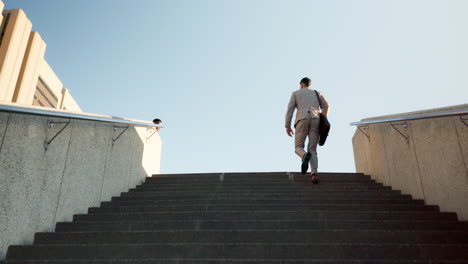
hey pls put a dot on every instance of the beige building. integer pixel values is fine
(25, 76)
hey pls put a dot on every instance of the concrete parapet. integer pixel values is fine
(427, 158)
(80, 168)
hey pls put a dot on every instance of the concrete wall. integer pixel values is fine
(431, 165)
(12, 51)
(80, 168)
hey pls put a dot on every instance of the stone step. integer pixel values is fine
(249, 174)
(259, 181)
(253, 178)
(282, 189)
(306, 181)
(321, 197)
(259, 193)
(259, 185)
(289, 251)
(297, 224)
(263, 202)
(264, 236)
(268, 215)
(254, 218)
(242, 261)
(242, 176)
(255, 207)
(299, 184)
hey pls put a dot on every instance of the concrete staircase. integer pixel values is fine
(254, 218)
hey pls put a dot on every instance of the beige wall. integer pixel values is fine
(35, 66)
(431, 165)
(1, 10)
(51, 79)
(80, 169)
(30, 69)
(12, 52)
(22, 63)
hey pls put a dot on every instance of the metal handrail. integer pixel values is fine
(457, 112)
(70, 115)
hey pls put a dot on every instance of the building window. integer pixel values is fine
(44, 95)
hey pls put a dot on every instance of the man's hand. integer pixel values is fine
(289, 131)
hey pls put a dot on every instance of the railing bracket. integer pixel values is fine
(123, 131)
(404, 125)
(362, 128)
(50, 124)
(151, 134)
(464, 120)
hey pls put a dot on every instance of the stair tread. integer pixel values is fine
(177, 260)
(245, 250)
(250, 236)
(243, 261)
(254, 218)
(376, 244)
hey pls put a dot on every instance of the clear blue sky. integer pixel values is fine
(220, 73)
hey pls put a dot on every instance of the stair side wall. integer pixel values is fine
(432, 165)
(80, 168)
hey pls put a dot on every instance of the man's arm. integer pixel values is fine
(289, 114)
(325, 105)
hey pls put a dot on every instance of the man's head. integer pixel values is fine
(305, 82)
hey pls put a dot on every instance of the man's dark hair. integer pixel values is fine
(157, 120)
(306, 81)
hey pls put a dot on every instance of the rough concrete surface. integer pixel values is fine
(119, 162)
(462, 134)
(401, 161)
(431, 166)
(377, 159)
(22, 159)
(360, 144)
(87, 146)
(79, 169)
(3, 126)
(441, 165)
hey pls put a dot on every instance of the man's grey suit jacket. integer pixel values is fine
(307, 105)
